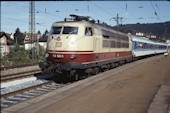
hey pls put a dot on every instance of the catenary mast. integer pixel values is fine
(32, 28)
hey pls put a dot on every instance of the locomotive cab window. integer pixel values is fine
(88, 31)
(70, 30)
(56, 30)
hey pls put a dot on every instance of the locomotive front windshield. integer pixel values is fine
(66, 30)
(70, 30)
(56, 30)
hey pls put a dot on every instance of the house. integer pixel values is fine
(5, 40)
(29, 38)
(43, 41)
(30, 42)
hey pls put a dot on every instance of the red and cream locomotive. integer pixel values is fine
(83, 45)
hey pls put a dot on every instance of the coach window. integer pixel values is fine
(139, 45)
(88, 31)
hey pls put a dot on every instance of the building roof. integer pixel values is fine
(34, 37)
(8, 36)
(43, 38)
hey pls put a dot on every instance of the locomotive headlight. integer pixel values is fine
(47, 55)
(72, 56)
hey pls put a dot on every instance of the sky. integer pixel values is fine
(16, 13)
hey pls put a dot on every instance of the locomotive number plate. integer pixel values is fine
(54, 55)
(58, 56)
(58, 44)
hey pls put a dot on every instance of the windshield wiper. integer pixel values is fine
(70, 33)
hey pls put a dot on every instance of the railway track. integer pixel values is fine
(15, 97)
(23, 90)
(18, 66)
(11, 95)
(11, 77)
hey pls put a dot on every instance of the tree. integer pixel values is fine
(19, 37)
(46, 32)
(39, 32)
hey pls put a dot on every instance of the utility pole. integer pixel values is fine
(118, 20)
(0, 18)
(32, 27)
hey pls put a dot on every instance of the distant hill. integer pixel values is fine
(158, 29)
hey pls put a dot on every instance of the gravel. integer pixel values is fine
(21, 85)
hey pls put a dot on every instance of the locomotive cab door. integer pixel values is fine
(96, 44)
(96, 41)
(96, 38)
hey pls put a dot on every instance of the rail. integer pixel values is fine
(23, 90)
(19, 75)
(18, 66)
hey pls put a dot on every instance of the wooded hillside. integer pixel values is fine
(158, 29)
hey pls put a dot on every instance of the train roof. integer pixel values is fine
(161, 43)
(88, 23)
(76, 19)
(146, 40)
(142, 39)
(71, 22)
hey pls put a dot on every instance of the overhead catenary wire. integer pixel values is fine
(155, 11)
(101, 8)
(41, 11)
(117, 5)
(50, 14)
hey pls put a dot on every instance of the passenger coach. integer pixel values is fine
(142, 46)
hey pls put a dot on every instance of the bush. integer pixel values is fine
(18, 56)
(38, 56)
(42, 52)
